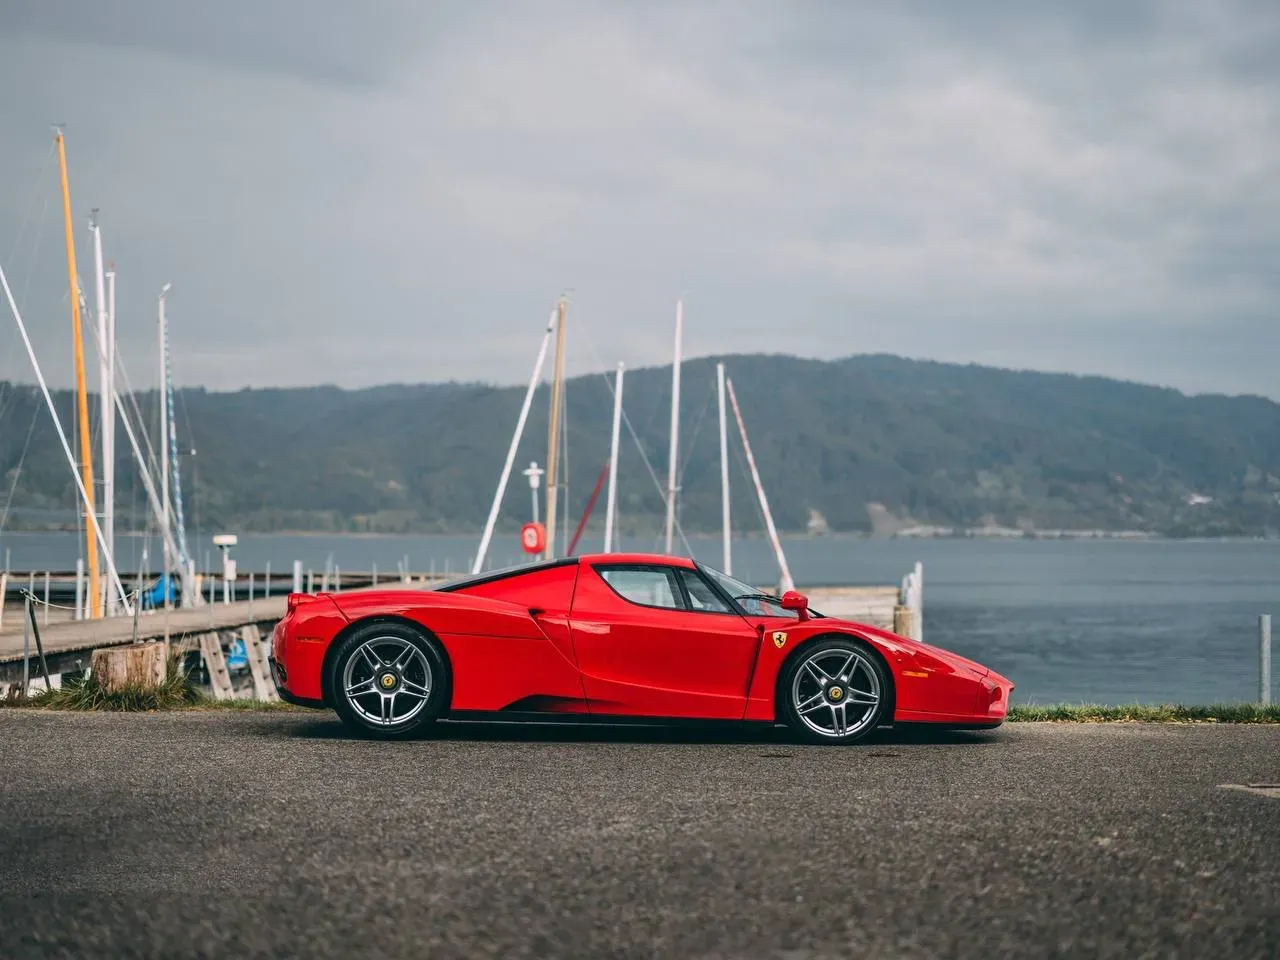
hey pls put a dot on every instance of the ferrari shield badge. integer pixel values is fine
(779, 638)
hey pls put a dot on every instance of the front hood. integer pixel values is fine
(951, 659)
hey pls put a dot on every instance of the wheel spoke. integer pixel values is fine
(371, 655)
(416, 689)
(862, 696)
(812, 704)
(405, 656)
(839, 723)
(816, 671)
(844, 671)
(361, 688)
(388, 702)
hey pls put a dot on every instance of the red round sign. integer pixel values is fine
(533, 537)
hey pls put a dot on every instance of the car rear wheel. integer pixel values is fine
(835, 691)
(388, 680)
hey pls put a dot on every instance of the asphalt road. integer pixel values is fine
(275, 835)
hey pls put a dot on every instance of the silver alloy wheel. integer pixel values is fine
(385, 673)
(836, 692)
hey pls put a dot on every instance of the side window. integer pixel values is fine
(647, 587)
(701, 596)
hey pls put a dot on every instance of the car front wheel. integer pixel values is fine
(835, 691)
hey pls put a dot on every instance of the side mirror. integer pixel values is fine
(794, 600)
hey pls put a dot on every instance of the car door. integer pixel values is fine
(657, 641)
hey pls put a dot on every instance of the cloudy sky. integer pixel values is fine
(398, 191)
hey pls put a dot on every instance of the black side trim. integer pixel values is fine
(504, 574)
(595, 719)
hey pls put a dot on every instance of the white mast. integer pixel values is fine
(787, 582)
(675, 427)
(478, 564)
(109, 436)
(164, 458)
(724, 474)
(62, 436)
(105, 407)
(612, 499)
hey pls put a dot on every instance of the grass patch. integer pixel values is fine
(1140, 713)
(177, 692)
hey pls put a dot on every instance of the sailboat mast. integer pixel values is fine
(553, 431)
(82, 399)
(724, 475)
(164, 437)
(675, 426)
(478, 563)
(787, 582)
(611, 501)
(106, 410)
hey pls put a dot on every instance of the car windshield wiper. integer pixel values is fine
(767, 598)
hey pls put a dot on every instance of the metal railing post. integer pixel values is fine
(1264, 659)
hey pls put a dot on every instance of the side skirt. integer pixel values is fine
(596, 719)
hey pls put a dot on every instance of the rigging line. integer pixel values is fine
(39, 190)
(4, 517)
(741, 460)
(696, 428)
(195, 475)
(35, 250)
(662, 493)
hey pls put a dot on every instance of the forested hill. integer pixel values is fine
(868, 442)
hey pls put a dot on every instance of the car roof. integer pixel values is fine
(489, 576)
(660, 559)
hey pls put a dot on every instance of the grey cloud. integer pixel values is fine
(399, 195)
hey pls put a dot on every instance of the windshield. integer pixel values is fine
(754, 602)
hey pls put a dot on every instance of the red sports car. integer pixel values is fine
(610, 637)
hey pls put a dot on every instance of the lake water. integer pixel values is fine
(1067, 621)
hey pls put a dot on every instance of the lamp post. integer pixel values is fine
(534, 473)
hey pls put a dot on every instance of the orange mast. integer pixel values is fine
(82, 400)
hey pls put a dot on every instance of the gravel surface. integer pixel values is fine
(213, 834)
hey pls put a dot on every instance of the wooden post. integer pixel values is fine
(904, 622)
(4, 592)
(134, 665)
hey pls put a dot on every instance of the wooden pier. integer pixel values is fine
(211, 627)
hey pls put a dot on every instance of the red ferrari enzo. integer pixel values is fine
(612, 637)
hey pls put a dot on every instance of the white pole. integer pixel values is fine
(724, 474)
(787, 582)
(675, 426)
(62, 436)
(109, 439)
(611, 502)
(164, 455)
(1264, 660)
(105, 409)
(511, 451)
(147, 483)
(80, 605)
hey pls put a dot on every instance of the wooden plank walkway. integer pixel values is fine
(72, 635)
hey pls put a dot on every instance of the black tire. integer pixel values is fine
(811, 707)
(391, 703)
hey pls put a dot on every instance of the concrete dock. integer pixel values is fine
(217, 834)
